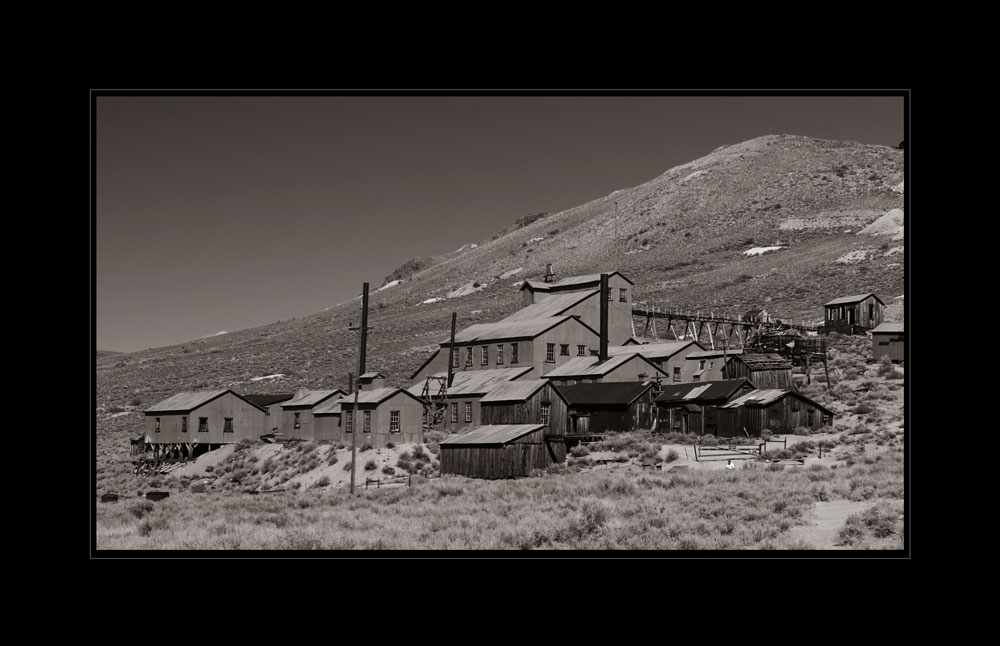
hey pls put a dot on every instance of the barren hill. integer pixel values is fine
(798, 204)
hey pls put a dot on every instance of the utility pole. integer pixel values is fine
(361, 370)
(616, 235)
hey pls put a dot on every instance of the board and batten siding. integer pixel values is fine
(514, 459)
(248, 423)
(778, 417)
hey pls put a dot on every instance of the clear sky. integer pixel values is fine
(223, 213)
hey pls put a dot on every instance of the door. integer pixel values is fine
(582, 424)
(850, 316)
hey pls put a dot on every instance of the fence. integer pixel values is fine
(727, 452)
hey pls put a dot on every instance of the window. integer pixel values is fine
(581, 350)
(550, 352)
(368, 421)
(454, 359)
(499, 354)
(184, 425)
(454, 412)
(423, 418)
(203, 425)
(394, 420)
(513, 353)
(622, 295)
(701, 365)
(296, 420)
(809, 416)
(696, 378)
(609, 293)
(468, 411)
(228, 427)
(711, 364)
(486, 356)
(545, 414)
(157, 424)
(349, 426)
(564, 349)
(468, 357)
(677, 374)
(267, 410)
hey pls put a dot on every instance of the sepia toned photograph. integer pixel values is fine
(349, 324)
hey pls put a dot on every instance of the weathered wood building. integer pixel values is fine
(531, 401)
(707, 365)
(852, 314)
(190, 423)
(384, 415)
(694, 407)
(465, 393)
(756, 315)
(776, 410)
(598, 408)
(668, 356)
(272, 409)
(619, 368)
(764, 370)
(327, 420)
(498, 451)
(889, 339)
(577, 296)
(297, 413)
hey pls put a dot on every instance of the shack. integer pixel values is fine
(852, 314)
(668, 356)
(889, 339)
(464, 394)
(191, 423)
(707, 365)
(693, 407)
(598, 408)
(764, 370)
(327, 419)
(297, 413)
(497, 451)
(384, 415)
(775, 410)
(272, 409)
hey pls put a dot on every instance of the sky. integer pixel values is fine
(224, 213)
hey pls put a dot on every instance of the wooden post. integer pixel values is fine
(827, 370)
(361, 371)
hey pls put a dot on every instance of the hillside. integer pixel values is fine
(683, 236)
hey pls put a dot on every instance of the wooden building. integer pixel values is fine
(889, 339)
(498, 451)
(297, 413)
(577, 296)
(618, 368)
(707, 365)
(465, 393)
(598, 408)
(764, 370)
(774, 409)
(694, 407)
(756, 315)
(668, 356)
(529, 401)
(272, 409)
(371, 381)
(539, 343)
(853, 314)
(384, 415)
(190, 423)
(327, 420)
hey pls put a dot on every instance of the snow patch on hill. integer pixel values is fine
(277, 376)
(465, 290)
(512, 272)
(892, 223)
(219, 333)
(388, 285)
(534, 240)
(430, 300)
(759, 251)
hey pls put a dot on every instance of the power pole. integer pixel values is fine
(361, 370)
(616, 235)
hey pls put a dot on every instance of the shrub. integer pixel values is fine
(370, 465)
(672, 455)
(348, 466)
(198, 487)
(210, 468)
(296, 485)
(140, 509)
(116, 409)
(390, 445)
(136, 401)
(579, 451)
(389, 471)
(366, 447)
(331, 457)
(322, 482)
(863, 409)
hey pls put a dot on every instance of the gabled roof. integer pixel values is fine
(188, 401)
(551, 306)
(372, 375)
(896, 328)
(372, 398)
(505, 330)
(312, 397)
(847, 300)
(267, 400)
(712, 354)
(514, 391)
(593, 367)
(619, 393)
(701, 391)
(570, 282)
(467, 383)
(491, 434)
(658, 350)
(330, 406)
(768, 396)
(769, 361)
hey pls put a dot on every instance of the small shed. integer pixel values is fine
(773, 409)
(851, 314)
(297, 413)
(764, 370)
(599, 408)
(889, 339)
(531, 401)
(384, 415)
(497, 451)
(327, 419)
(193, 422)
(272, 409)
(756, 315)
(693, 407)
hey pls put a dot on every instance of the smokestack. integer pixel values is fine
(451, 350)
(350, 382)
(549, 275)
(603, 354)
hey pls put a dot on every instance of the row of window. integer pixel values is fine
(484, 354)
(622, 294)
(367, 427)
(550, 351)
(468, 413)
(202, 425)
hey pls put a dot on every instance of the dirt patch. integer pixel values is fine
(890, 224)
(823, 523)
(212, 458)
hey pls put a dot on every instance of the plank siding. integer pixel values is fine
(640, 414)
(891, 344)
(777, 417)
(248, 423)
(514, 459)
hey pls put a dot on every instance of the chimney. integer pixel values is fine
(603, 354)
(549, 276)
(350, 382)
(371, 381)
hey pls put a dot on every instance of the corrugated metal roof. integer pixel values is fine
(491, 434)
(701, 391)
(550, 306)
(521, 329)
(712, 354)
(889, 327)
(659, 350)
(593, 367)
(571, 281)
(371, 375)
(312, 397)
(771, 395)
(374, 396)
(330, 406)
(185, 401)
(603, 394)
(769, 361)
(472, 382)
(267, 400)
(514, 391)
(845, 300)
